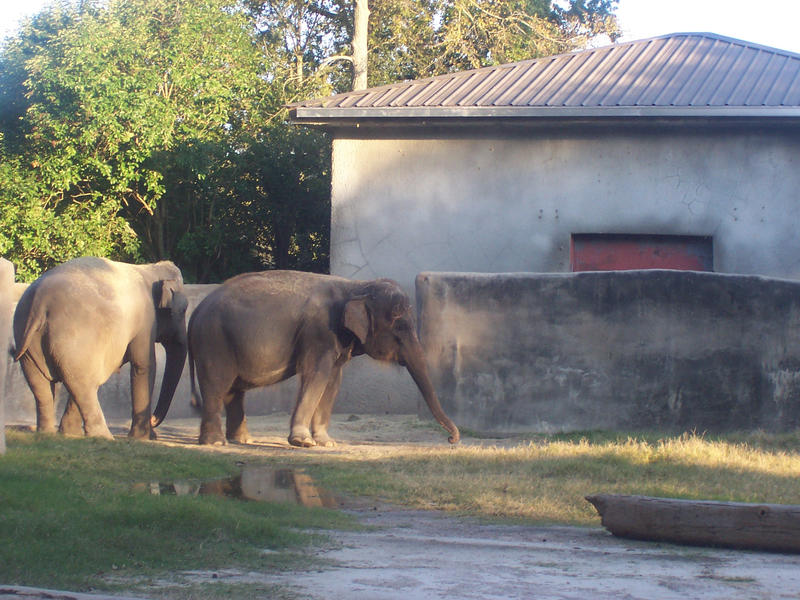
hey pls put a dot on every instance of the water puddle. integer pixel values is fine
(263, 484)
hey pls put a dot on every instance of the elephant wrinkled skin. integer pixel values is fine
(82, 320)
(261, 328)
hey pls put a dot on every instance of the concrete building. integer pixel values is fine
(685, 144)
(679, 152)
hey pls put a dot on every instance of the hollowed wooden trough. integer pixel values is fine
(772, 527)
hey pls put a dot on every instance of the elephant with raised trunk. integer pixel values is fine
(82, 320)
(257, 329)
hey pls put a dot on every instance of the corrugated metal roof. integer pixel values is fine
(681, 73)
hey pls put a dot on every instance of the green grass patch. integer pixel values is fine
(70, 516)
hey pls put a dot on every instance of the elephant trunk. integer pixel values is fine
(176, 358)
(414, 359)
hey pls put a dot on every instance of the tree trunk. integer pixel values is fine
(774, 527)
(360, 29)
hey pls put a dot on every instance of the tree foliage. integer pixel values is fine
(150, 129)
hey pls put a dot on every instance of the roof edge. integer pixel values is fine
(322, 116)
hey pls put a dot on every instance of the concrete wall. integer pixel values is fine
(499, 200)
(616, 350)
(6, 301)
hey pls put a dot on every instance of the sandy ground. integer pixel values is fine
(423, 555)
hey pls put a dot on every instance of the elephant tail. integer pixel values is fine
(196, 401)
(36, 321)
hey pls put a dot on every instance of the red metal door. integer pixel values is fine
(618, 252)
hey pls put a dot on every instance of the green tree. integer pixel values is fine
(409, 39)
(128, 92)
(149, 129)
(41, 225)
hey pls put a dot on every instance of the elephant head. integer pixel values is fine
(381, 318)
(170, 305)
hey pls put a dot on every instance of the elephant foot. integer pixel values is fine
(211, 433)
(212, 440)
(71, 434)
(142, 433)
(239, 436)
(302, 441)
(71, 431)
(241, 439)
(324, 440)
(300, 435)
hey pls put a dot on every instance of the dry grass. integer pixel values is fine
(547, 479)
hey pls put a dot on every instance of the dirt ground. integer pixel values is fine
(423, 555)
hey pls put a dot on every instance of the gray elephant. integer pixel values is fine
(261, 328)
(82, 320)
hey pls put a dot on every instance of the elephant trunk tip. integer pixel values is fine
(155, 421)
(452, 429)
(455, 436)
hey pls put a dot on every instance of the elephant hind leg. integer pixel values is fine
(211, 422)
(71, 420)
(215, 389)
(235, 419)
(43, 392)
(94, 422)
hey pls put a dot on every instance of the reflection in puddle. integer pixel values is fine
(255, 483)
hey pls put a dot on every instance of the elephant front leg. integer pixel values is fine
(142, 365)
(211, 427)
(314, 382)
(322, 416)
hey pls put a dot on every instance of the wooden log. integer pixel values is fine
(772, 527)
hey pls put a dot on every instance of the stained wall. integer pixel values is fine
(623, 350)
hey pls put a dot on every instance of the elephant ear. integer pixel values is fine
(167, 292)
(356, 318)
